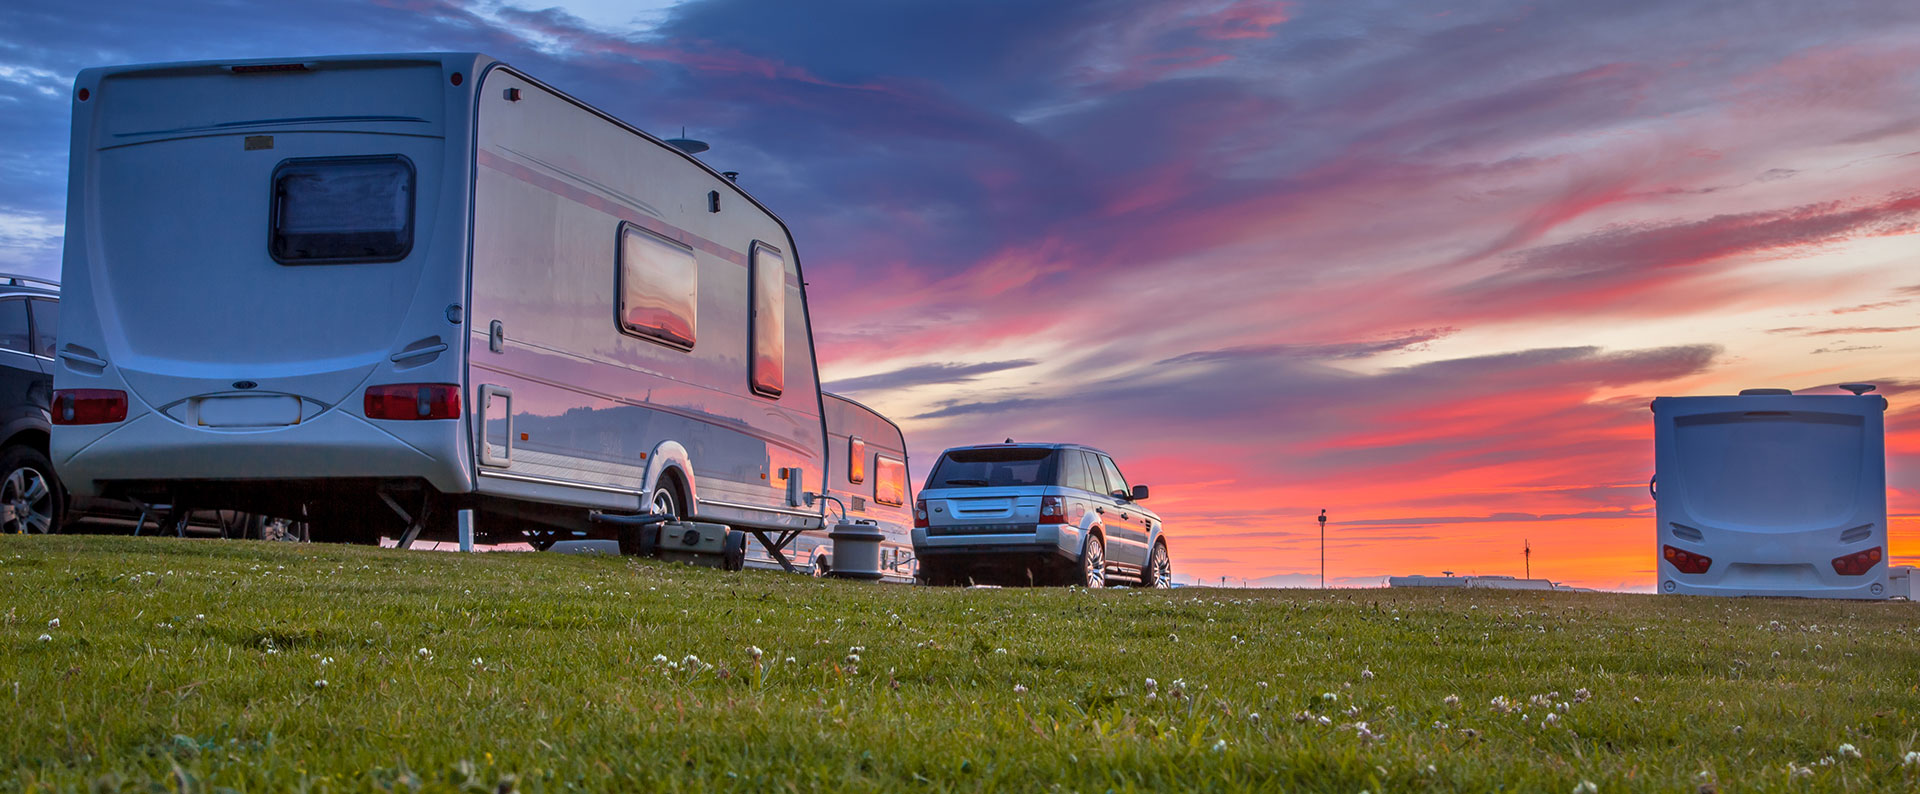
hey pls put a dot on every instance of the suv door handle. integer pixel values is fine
(1100, 510)
(1124, 516)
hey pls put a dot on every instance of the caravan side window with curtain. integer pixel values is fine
(856, 460)
(659, 287)
(889, 480)
(767, 280)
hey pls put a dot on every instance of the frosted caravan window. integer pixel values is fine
(856, 460)
(889, 481)
(769, 286)
(659, 287)
(344, 209)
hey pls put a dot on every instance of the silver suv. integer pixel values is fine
(1039, 514)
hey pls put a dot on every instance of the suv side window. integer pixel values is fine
(46, 326)
(1073, 472)
(1115, 482)
(1096, 480)
(14, 331)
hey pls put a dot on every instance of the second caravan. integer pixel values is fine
(421, 295)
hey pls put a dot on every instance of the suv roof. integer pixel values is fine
(15, 284)
(1032, 445)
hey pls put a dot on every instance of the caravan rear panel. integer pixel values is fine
(1771, 494)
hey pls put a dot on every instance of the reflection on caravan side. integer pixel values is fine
(604, 352)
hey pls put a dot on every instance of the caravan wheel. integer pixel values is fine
(665, 500)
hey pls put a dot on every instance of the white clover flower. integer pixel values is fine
(853, 658)
(1220, 746)
(1255, 716)
(1581, 695)
(1451, 700)
(424, 653)
(1152, 685)
(691, 662)
(857, 649)
(791, 660)
(1848, 751)
(1324, 720)
(320, 683)
(1550, 720)
(1261, 684)
(200, 617)
(46, 638)
(1019, 689)
(660, 658)
(479, 662)
(54, 623)
(754, 652)
(1912, 759)
(326, 660)
(999, 650)
(1586, 787)
(1329, 696)
(1366, 675)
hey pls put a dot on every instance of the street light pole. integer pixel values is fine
(1323, 548)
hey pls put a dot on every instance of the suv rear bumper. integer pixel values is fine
(1044, 539)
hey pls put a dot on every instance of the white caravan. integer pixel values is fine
(383, 292)
(1771, 493)
(867, 476)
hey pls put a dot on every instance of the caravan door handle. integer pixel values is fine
(1100, 510)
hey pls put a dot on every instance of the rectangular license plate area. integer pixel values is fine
(265, 410)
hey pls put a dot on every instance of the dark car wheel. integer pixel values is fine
(31, 498)
(1160, 569)
(1093, 563)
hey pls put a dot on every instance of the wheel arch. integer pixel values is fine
(670, 459)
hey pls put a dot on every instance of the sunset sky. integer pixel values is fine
(1420, 264)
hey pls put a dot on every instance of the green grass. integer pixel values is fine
(193, 665)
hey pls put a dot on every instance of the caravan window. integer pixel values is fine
(768, 283)
(659, 287)
(889, 481)
(856, 460)
(342, 209)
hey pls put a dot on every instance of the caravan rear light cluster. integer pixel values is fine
(919, 512)
(1857, 563)
(89, 406)
(413, 401)
(1686, 561)
(1053, 510)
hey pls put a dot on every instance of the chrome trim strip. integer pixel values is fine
(764, 509)
(504, 475)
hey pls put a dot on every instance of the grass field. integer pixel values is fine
(211, 665)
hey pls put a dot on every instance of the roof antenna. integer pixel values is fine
(686, 144)
(1858, 388)
(1009, 441)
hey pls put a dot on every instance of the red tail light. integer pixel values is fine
(1686, 561)
(1053, 510)
(919, 512)
(413, 401)
(1857, 563)
(89, 406)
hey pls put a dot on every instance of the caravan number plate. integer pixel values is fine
(265, 410)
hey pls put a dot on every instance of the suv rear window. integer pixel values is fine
(342, 209)
(994, 468)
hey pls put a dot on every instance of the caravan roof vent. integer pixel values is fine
(1763, 392)
(1858, 388)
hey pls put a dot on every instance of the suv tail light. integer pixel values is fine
(413, 401)
(919, 512)
(1053, 510)
(1689, 562)
(89, 406)
(1857, 563)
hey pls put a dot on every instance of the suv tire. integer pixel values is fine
(1159, 573)
(1093, 563)
(27, 482)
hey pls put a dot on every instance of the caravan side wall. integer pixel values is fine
(238, 363)
(867, 472)
(614, 328)
(1771, 489)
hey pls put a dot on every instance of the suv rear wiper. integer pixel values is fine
(965, 482)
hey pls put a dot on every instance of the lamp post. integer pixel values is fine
(1323, 548)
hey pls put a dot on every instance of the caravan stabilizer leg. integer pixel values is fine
(415, 523)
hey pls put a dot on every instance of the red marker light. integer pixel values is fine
(1857, 563)
(410, 401)
(1686, 561)
(89, 406)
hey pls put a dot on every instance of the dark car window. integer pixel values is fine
(46, 326)
(14, 333)
(994, 467)
(1073, 472)
(1115, 482)
(1096, 479)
